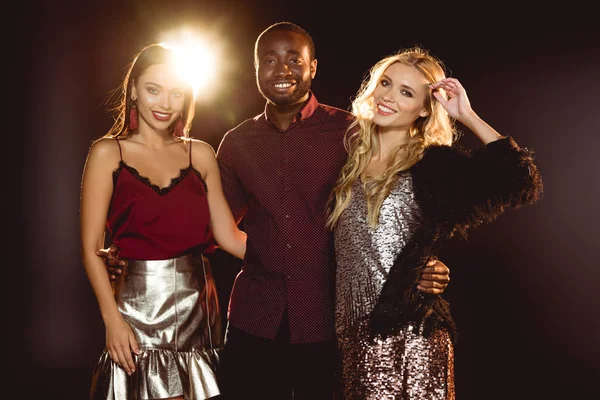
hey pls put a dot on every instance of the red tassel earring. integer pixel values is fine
(178, 129)
(133, 116)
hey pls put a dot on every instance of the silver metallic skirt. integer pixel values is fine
(173, 310)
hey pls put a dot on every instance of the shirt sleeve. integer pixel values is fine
(232, 187)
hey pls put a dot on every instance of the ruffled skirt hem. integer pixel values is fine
(159, 374)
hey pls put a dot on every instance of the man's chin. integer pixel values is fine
(280, 100)
(284, 100)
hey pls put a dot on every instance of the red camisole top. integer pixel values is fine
(151, 223)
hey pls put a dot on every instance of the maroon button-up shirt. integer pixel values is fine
(279, 182)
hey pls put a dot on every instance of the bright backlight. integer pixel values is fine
(194, 62)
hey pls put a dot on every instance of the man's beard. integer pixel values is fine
(301, 89)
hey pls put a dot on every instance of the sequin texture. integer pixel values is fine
(406, 365)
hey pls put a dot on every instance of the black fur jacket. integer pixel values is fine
(457, 190)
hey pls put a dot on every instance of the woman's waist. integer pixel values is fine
(148, 250)
(184, 263)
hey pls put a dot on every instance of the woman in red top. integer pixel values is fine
(159, 195)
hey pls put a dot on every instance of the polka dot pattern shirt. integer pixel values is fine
(279, 183)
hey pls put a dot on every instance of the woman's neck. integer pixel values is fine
(388, 141)
(153, 138)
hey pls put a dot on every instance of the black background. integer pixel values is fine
(523, 289)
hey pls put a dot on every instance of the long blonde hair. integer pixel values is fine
(361, 143)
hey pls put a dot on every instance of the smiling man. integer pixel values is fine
(278, 170)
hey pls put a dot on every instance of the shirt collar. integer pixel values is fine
(306, 112)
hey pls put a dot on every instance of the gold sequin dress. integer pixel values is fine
(405, 365)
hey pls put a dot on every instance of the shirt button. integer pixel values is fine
(287, 216)
(289, 246)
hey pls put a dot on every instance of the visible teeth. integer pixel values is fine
(161, 114)
(283, 85)
(385, 109)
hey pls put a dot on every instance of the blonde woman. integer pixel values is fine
(404, 189)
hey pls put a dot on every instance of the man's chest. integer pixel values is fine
(276, 166)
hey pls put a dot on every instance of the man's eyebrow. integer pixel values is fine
(273, 52)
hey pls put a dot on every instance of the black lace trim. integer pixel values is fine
(160, 191)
